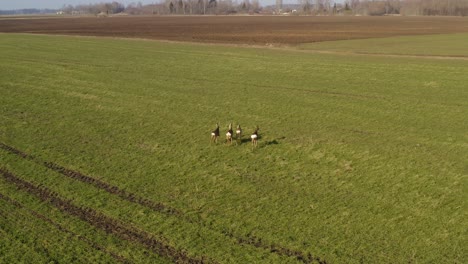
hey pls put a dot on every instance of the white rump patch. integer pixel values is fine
(213, 134)
(228, 134)
(253, 136)
(238, 131)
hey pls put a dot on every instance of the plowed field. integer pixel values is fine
(257, 30)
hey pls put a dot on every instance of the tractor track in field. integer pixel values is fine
(106, 223)
(15, 151)
(131, 197)
(167, 210)
(280, 250)
(61, 228)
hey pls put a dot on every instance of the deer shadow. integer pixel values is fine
(275, 141)
(246, 139)
(243, 140)
(271, 142)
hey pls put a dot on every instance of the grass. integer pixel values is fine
(452, 45)
(361, 159)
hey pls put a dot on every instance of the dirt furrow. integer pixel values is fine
(257, 242)
(15, 151)
(108, 224)
(159, 207)
(65, 230)
(131, 197)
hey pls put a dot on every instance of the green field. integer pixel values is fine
(105, 154)
(451, 45)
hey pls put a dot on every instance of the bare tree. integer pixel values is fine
(354, 4)
(255, 5)
(306, 6)
(435, 8)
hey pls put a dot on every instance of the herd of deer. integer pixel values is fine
(230, 133)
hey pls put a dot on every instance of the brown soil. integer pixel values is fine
(253, 30)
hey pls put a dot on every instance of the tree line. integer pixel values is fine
(304, 7)
(168, 7)
(385, 7)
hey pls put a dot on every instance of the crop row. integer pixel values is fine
(162, 208)
(108, 224)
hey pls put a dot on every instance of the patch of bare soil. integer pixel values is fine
(252, 30)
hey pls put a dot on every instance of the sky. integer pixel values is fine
(57, 4)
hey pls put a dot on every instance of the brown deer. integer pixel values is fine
(238, 132)
(254, 137)
(229, 134)
(238, 135)
(215, 134)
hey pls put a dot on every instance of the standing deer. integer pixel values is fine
(215, 134)
(254, 137)
(238, 135)
(229, 134)
(238, 132)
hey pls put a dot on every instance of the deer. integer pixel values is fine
(229, 134)
(215, 134)
(254, 137)
(238, 132)
(238, 135)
